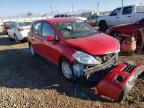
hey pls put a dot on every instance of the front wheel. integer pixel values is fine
(102, 25)
(67, 70)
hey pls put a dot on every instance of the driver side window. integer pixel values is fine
(116, 12)
(47, 30)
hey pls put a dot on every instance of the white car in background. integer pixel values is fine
(18, 30)
(122, 15)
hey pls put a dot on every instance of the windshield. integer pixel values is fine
(22, 24)
(139, 8)
(75, 29)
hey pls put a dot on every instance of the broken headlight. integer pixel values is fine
(85, 58)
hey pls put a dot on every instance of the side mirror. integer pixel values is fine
(50, 38)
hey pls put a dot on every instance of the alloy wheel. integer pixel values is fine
(67, 72)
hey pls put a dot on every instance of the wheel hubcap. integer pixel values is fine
(66, 70)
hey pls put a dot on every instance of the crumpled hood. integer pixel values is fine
(99, 44)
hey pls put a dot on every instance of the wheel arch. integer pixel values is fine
(64, 57)
(114, 32)
(102, 21)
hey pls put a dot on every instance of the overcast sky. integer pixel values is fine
(13, 7)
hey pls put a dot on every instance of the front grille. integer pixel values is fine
(106, 62)
(129, 68)
(104, 58)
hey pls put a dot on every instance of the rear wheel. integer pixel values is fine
(10, 38)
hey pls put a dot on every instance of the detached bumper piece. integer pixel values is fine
(118, 83)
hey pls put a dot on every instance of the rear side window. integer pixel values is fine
(36, 28)
(140, 8)
(127, 10)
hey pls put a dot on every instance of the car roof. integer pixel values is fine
(56, 20)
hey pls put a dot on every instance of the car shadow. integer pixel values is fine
(19, 69)
(5, 40)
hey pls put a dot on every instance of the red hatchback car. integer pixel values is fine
(77, 48)
(127, 29)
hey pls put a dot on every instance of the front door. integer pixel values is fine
(114, 17)
(49, 48)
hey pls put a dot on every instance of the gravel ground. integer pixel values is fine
(28, 82)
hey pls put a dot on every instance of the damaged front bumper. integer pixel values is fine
(118, 83)
(86, 71)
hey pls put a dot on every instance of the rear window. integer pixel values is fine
(139, 8)
(22, 24)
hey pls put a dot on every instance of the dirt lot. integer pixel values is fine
(28, 82)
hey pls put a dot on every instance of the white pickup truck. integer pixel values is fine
(121, 15)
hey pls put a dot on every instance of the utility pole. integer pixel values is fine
(72, 9)
(122, 3)
(98, 7)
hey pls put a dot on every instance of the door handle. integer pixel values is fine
(128, 16)
(117, 17)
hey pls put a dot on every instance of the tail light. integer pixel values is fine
(20, 29)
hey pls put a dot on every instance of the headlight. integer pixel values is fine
(84, 58)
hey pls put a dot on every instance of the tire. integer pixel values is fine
(11, 39)
(102, 25)
(67, 70)
(16, 39)
(116, 35)
(33, 53)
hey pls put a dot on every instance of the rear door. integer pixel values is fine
(126, 16)
(36, 36)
